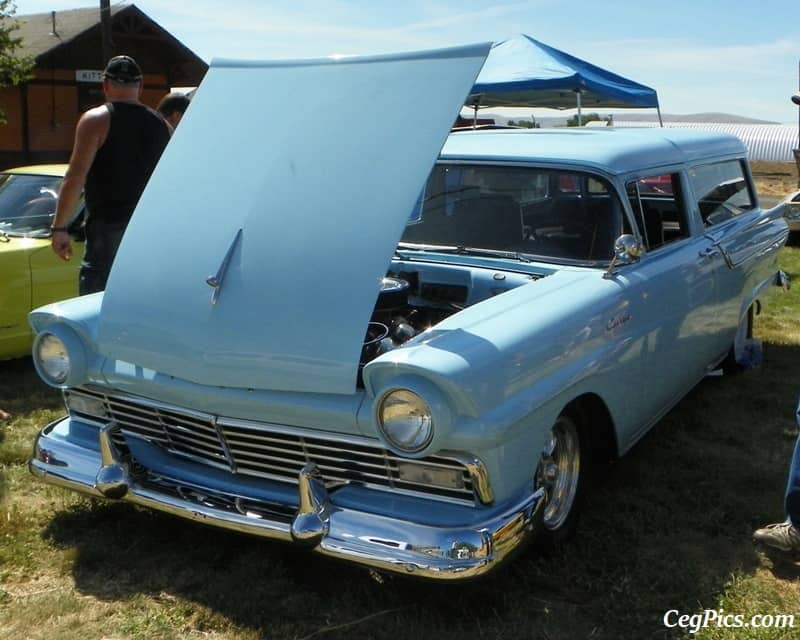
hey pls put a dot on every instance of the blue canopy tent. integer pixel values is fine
(523, 72)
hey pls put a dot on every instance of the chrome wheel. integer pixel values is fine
(559, 471)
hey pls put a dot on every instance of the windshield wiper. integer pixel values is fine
(466, 251)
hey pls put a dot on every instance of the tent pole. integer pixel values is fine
(660, 121)
(578, 100)
(475, 106)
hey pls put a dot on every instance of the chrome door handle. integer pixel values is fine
(709, 253)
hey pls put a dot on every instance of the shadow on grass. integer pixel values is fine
(667, 527)
(21, 388)
(21, 392)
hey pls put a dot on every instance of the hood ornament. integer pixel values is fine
(215, 281)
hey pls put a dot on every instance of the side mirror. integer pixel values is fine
(627, 250)
(791, 210)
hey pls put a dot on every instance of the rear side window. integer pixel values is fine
(658, 208)
(722, 190)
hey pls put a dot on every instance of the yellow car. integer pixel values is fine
(32, 275)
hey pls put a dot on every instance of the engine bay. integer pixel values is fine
(412, 301)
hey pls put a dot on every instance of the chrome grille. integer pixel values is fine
(271, 451)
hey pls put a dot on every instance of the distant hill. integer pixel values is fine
(557, 121)
(692, 117)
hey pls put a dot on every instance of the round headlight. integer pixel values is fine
(406, 421)
(52, 358)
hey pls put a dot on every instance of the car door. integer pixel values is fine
(54, 279)
(677, 289)
(741, 238)
(32, 276)
(15, 295)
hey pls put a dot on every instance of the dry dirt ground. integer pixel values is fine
(775, 178)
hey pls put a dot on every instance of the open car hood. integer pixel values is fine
(255, 255)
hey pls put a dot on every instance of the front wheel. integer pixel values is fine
(563, 472)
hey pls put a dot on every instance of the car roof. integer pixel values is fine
(57, 170)
(612, 150)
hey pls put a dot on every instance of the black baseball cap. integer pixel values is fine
(123, 69)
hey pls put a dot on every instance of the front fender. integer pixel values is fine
(80, 313)
(74, 320)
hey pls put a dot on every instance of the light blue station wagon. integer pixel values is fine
(409, 363)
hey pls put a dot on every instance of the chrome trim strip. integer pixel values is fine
(181, 411)
(217, 463)
(216, 281)
(479, 475)
(386, 544)
(300, 432)
(224, 442)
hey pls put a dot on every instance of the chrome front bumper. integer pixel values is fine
(373, 540)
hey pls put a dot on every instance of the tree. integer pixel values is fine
(587, 117)
(528, 124)
(14, 69)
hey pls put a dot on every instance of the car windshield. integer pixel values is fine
(550, 214)
(27, 203)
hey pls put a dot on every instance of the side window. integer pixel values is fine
(722, 190)
(658, 208)
(596, 187)
(550, 213)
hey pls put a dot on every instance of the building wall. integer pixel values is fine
(11, 132)
(52, 117)
(42, 114)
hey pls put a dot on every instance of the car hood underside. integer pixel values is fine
(263, 273)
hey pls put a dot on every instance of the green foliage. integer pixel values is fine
(14, 69)
(527, 124)
(586, 117)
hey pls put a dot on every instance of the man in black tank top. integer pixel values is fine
(117, 146)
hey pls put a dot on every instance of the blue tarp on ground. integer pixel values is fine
(523, 72)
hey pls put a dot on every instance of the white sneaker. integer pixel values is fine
(784, 536)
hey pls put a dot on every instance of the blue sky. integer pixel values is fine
(700, 55)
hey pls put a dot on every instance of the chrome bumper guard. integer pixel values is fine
(376, 541)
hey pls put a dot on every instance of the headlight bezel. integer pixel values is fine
(52, 357)
(74, 353)
(389, 433)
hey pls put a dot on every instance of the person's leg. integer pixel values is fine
(102, 242)
(786, 535)
(91, 280)
(792, 501)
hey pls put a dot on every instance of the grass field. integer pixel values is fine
(667, 527)
(775, 178)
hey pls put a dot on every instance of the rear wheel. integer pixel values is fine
(563, 472)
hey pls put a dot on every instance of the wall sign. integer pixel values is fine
(88, 75)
